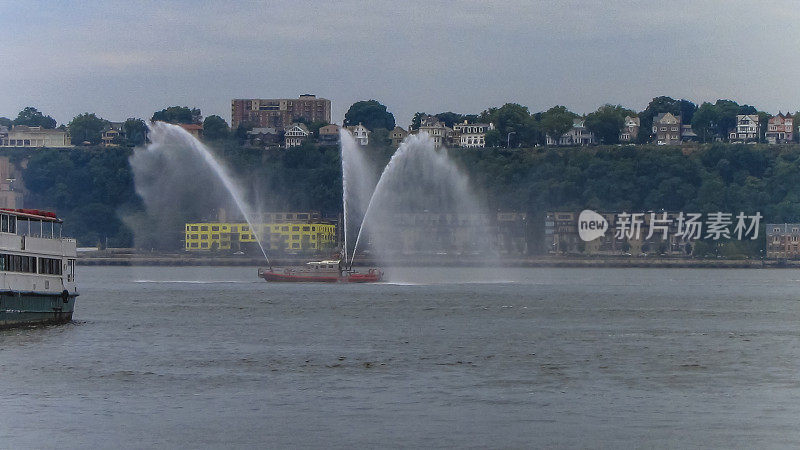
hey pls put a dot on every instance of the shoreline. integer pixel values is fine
(541, 261)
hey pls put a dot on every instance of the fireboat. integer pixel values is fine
(327, 271)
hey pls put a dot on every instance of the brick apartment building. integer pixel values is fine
(279, 113)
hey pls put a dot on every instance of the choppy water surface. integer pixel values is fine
(210, 357)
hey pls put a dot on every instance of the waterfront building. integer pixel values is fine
(783, 240)
(279, 113)
(329, 134)
(780, 129)
(397, 135)
(471, 135)
(295, 135)
(630, 130)
(289, 232)
(35, 137)
(360, 133)
(450, 233)
(746, 128)
(578, 135)
(561, 237)
(667, 129)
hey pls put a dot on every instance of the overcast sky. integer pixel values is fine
(128, 59)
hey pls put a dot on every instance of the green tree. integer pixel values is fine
(727, 110)
(31, 117)
(450, 118)
(416, 121)
(606, 123)
(135, 132)
(215, 128)
(86, 127)
(763, 122)
(6, 122)
(704, 123)
(369, 113)
(556, 121)
(514, 125)
(178, 114)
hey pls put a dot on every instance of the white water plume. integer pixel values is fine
(423, 205)
(178, 177)
(358, 183)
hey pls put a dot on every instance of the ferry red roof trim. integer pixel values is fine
(35, 213)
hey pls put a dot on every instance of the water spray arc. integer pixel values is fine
(358, 184)
(161, 134)
(419, 178)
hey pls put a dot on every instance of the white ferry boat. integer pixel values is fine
(37, 269)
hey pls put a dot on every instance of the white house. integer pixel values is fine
(360, 133)
(746, 128)
(295, 135)
(471, 134)
(440, 133)
(578, 135)
(25, 136)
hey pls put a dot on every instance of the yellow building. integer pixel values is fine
(286, 236)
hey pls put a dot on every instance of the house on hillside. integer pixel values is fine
(780, 129)
(577, 135)
(33, 137)
(194, 129)
(295, 135)
(111, 134)
(630, 130)
(667, 129)
(329, 134)
(397, 135)
(264, 137)
(360, 133)
(746, 130)
(471, 135)
(437, 130)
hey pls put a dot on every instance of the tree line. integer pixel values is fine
(515, 125)
(92, 188)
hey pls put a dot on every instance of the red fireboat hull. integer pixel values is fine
(373, 276)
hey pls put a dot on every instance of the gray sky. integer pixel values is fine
(128, 59)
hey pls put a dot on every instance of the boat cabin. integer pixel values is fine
(323, 266)
(30, 222)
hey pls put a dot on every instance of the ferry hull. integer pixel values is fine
(32, 308)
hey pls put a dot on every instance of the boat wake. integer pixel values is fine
(198, 281)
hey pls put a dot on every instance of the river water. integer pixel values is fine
(211, 357)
